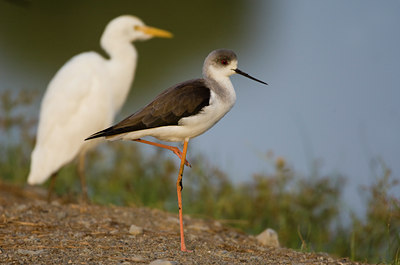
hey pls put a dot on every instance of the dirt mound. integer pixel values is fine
(33, 231)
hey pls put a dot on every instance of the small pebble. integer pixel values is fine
(199, 227)
(224, 253)
(61, 215)
(217, 224)
(55, 203)
(135, 230)
(138, 259)
(163, 262)
(21, 208)
(268, 238)
(30, 252)
(173, 219)
(114, 232)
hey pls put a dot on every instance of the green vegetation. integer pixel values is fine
(305, 211)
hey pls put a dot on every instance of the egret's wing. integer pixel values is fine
(71, 87)
(72, 108)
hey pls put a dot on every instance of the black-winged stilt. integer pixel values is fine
(184, 111)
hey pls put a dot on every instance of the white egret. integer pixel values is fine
(84, 96)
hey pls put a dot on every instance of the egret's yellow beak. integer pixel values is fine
(154, 31)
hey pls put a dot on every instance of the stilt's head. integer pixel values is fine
(223, 63)
(220, 62)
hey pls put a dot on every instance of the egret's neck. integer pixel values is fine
(119, 49)
(122, 67)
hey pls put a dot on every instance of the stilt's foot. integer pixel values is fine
(186, 250)
(179, 154)
(183, 247)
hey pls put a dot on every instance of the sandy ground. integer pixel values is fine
(33, 231)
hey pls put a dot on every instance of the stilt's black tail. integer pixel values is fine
(103, 133)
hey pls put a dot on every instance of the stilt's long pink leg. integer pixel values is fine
(179, 191)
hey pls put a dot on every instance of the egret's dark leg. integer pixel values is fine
(51, 186)
(82, 177)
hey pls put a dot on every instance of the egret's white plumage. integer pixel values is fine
(85, 95)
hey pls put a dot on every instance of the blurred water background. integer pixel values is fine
(332, 66)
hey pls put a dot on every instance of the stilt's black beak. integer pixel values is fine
(248, 76)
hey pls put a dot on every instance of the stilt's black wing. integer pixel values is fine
(182, 100)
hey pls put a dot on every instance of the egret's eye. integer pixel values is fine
(224, 62)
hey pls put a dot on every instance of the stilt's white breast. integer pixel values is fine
(209, 115)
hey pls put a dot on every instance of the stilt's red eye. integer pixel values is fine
(224, 61)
